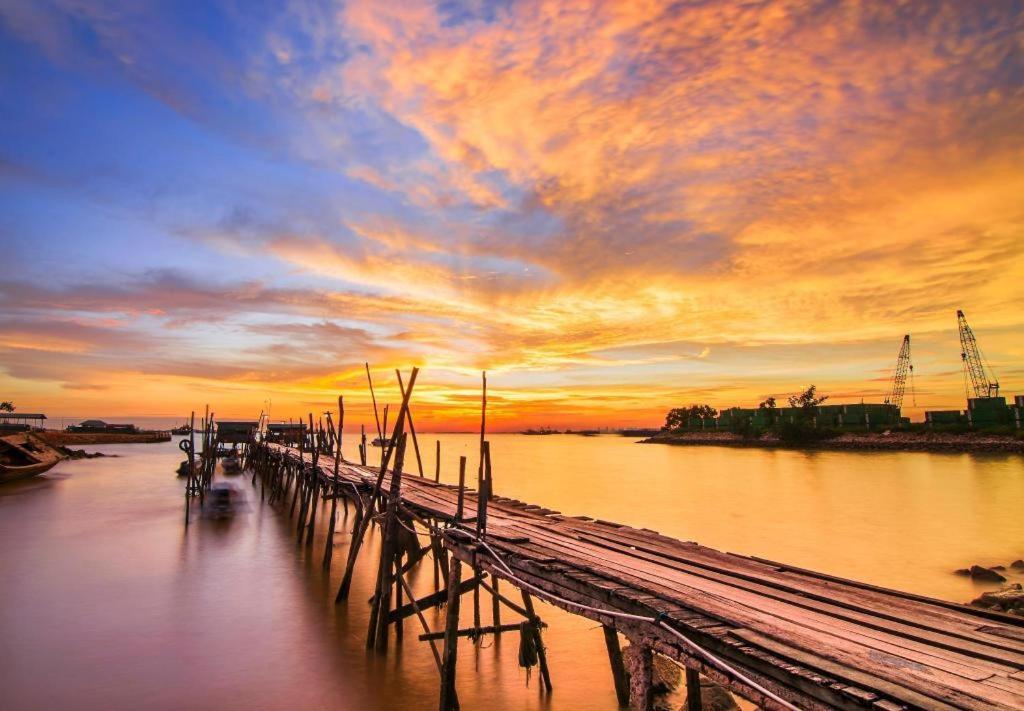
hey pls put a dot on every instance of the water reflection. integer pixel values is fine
(109, 602)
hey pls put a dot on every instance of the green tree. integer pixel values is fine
(6, 406)
(680, 416)
(807, 401)
(767, 404)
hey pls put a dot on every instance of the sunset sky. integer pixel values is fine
(614, 208)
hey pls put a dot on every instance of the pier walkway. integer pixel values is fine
(777, 635)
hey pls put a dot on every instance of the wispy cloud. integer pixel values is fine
(588, 197)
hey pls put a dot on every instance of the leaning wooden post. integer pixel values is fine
(412, 430)
(542, 656)
(619, 676)
(693, 700)
(367, 513)
(449, 701)
(373, 397)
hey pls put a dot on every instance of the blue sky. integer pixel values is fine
(613, 208)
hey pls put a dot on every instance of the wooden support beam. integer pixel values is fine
(449, 701)
(422, 619)
(475, 631)
(619, 675)
(508, 603)
(433, 599)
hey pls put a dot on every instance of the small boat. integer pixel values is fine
(224, 501)
(221, 504)
(24, 455)
(231, 464)
(378, 442)
(183, 468)
(182, 430)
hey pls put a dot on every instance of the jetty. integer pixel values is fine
(779, 636)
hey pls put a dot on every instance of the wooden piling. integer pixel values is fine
(449, 700)
(437, 463)
(542, 656)
(693, 700)
(329, 545)
(315, 494)
(495, 607)
(619, 675)
(460, 507)
(388, 557)
(362, 445)
(641, 677)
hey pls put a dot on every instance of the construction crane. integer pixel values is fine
(898, 384)
(974, 368)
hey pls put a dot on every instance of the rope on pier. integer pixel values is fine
(657, 620)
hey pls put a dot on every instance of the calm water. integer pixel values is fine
(107, 602)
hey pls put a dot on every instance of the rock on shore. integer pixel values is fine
(988, 575)
(1009, 599)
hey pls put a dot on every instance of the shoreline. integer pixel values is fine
(870, 442)
(58, 437)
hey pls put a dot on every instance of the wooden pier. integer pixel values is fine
(779, 636)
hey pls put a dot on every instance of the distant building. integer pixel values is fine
(286, 433)
(101, 427)
(21, 421)
(237, 432)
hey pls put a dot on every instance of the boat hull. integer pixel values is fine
(23, 456)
